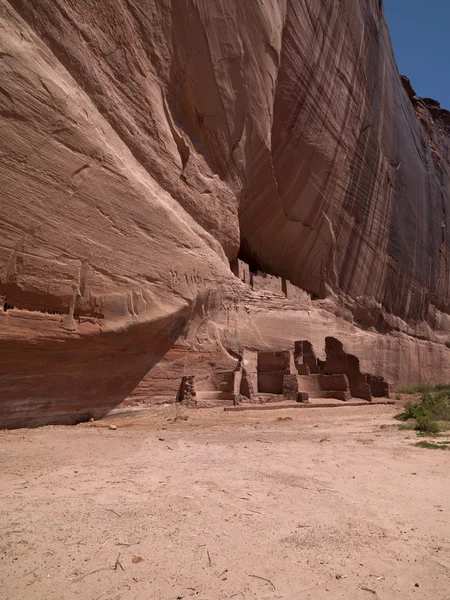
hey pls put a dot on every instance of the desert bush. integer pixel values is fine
(443, 388)
(431, 413)
(435, 406)
(426, 425)
(430, 445)
(419, 388)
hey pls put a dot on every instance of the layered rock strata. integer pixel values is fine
(144, 145)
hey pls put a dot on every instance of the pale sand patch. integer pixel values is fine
(318, 504)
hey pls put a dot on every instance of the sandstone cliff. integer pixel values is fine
(146, 144)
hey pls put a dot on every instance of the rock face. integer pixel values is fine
(146, 144)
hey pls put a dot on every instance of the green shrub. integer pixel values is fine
(407, 427)
(427, 425)
(430, 446)
(434, 406)
(423, 388)
(431, 413)
(443, 387)
(410, 411)
(419, 388)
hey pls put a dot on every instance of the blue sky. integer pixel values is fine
(420, 32)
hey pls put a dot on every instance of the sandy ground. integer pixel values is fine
(323, 504)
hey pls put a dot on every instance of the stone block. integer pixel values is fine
(290, 387)
(249, 380)
(336, 382)
(378, 386)
(337, 395)
(187, 394)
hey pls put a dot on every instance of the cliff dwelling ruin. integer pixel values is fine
(285, 376)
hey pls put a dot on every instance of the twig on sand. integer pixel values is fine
(320, 490)
(263, 579)
(223, 573)
(127, 545)
(102, 546)
(118, 563)
(209, 557)
(366, 589)
(91, 573)
(113, 511)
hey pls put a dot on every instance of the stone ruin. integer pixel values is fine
(286, 375)
(263, 282)
(216, 389)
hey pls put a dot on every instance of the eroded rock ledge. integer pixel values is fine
(145, 145)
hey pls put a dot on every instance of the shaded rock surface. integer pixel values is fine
(145, 145)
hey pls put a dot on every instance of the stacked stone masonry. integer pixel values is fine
(261, 282)
(287, 375)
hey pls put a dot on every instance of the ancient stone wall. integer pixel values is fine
(273, 367)
(218, 389)
(241, 270)
(268, 283)
(295, 294)
(338, 382)
(379, 388)
(249, 379)
(338, 362)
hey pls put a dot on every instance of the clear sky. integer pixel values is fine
(420, 32)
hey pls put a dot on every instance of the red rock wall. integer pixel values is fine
(348, 194)
(144, 144)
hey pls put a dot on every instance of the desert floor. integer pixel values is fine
(291, 504)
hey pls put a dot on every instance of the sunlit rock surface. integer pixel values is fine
(146, 144)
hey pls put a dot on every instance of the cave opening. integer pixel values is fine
(257, 267)
(248, 256)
